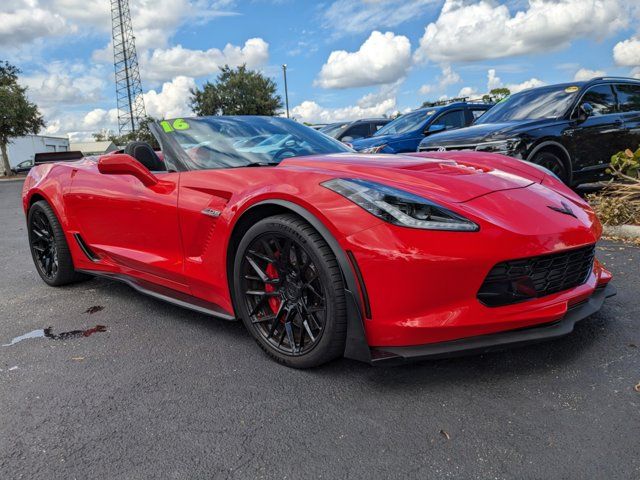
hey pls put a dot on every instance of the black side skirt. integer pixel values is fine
(167, 294)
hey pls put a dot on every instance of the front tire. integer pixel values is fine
(49, 247)
(289, 292)
(552, 162)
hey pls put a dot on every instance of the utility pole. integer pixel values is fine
(286, 91)
(125, 61)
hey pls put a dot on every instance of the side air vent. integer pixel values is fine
(85, 248)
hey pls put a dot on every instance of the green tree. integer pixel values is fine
(237, 92)
(142, 134)
(18, 116)
(499, 94)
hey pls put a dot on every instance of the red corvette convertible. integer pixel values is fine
(320, 251)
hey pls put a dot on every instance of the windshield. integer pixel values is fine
(405, 123)
(536, 104)
(333, 129)
(224, 142)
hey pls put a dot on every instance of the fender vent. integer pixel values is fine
(90, 254)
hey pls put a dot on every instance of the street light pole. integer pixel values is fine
(286, 91)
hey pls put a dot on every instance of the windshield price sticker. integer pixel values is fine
(177, 124)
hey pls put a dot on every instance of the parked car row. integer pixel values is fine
(571, 129)
(349, 131)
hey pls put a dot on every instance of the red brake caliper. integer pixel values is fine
(274, 302)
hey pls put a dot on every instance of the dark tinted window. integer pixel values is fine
(378, 126)
(601, 99)
(450, 120)
(534, 104)
(407, 122)
(628, 97)
(333, 129)
(359, 130)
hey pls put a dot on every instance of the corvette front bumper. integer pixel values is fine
(495, 341)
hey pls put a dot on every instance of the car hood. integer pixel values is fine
(374, 141)
(440, 179)
(482, 133)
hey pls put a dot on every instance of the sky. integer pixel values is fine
(346, 59)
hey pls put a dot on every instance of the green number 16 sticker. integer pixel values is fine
(178, 124)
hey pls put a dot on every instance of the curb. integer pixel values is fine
(622, 231)
(12, 179)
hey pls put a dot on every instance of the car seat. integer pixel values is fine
(143, 152)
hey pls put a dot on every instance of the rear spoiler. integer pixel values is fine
(48, 157)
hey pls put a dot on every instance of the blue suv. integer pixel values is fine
(405, 133)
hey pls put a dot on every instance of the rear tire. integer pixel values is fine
(552, 162)
(289, 292)
(49, 248)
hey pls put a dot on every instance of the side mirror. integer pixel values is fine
(435, 128)
(123, 164)
(585, 111)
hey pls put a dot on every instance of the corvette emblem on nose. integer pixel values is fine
(565, 209)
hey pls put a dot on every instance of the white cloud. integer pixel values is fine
(485, 30)
(24, 25)
(446, 78)
(527, 84)
(627, 52)
(357, 16)
(79, 126)
(172, 101)
(471, 92)
(587, 74)
(376, 104)
(164, 64)
(426, 89)
(382, 58)
(154, 21)
(95, 118)
(493, 81)
(67, 84)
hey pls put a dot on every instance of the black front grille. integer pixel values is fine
(518, 280)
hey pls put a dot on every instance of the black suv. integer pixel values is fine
(349, 131)
(571, 129)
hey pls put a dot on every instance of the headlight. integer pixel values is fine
(399, 207)
(499, 146)
(375, 149)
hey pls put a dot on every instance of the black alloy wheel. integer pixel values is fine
(49, 247)
(43, 244)
(290, 293)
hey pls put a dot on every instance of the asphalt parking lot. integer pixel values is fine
(168, 393)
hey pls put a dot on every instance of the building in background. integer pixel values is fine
(94, 148)
(24, 148)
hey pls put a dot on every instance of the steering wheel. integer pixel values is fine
(284, 153)
(200, 155)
